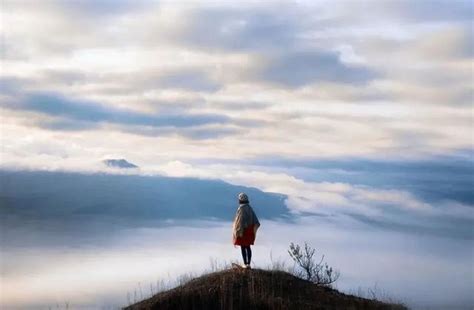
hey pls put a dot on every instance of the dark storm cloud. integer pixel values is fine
(71, 110)
(301, 68)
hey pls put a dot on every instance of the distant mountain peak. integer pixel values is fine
(119, 163)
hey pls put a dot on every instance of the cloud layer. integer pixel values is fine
(318, 79)
(252, 94)
(360, 112)
(99, 267)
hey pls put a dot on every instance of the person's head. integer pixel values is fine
(243, 198)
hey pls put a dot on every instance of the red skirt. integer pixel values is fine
(248, 238)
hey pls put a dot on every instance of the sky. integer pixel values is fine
(353, 110)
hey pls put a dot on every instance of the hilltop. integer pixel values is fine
(256, 289)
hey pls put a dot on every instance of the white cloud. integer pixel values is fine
(417, 102)
(416, 105)
(95, 276)
(119, 59)
(325, 197)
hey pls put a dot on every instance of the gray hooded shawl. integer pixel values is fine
(243, 219)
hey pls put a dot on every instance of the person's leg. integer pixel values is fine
(244, 253)
(249, 254)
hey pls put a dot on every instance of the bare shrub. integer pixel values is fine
(309, 268)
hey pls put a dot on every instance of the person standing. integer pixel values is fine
(245, 228)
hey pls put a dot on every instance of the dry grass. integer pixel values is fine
(255, 289)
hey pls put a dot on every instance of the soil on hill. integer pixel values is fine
(256, 289)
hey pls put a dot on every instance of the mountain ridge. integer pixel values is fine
(53, 194)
